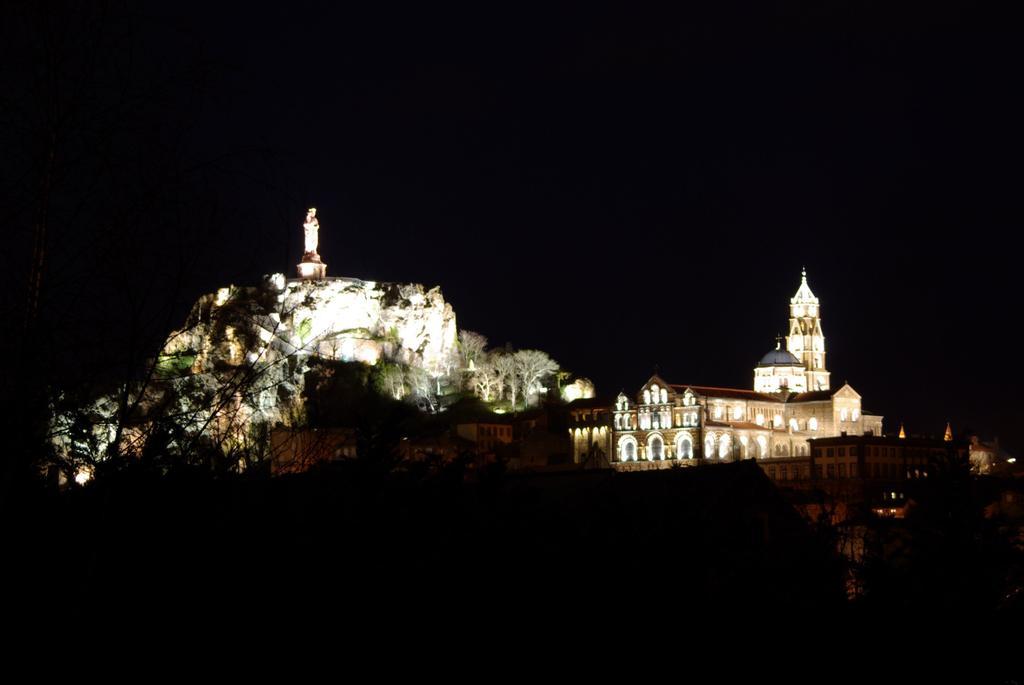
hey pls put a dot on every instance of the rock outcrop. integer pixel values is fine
(242, 357)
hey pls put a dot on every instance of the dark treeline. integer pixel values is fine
(703, 540)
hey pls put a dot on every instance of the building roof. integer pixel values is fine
(891, 440)
(728, 393)
(779, 357)
(747, 425)
(816, 396)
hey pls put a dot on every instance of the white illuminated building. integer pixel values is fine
(665, 423)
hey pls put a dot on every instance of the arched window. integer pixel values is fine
(762, 446)
(777, 421)
(627, 448)
(655, 448)
(724, 445)
(684, 446)
(647, 396)
(812, 423)
(664, 396)
(618, 421)
(709, 445)
(793, 425)
(856, 414)
(842, 414)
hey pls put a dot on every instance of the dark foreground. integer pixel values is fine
(679, 545)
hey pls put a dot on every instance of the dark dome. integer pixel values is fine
(779, 357)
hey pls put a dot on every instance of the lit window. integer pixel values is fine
(664, 396)
(842, 414)
(759, 420)
(647, 396)
(793, 425)
(684, 446)
(718, 412)
(812, 424)
(856, 414)
(777, 421)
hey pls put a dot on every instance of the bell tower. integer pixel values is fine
(805, 340)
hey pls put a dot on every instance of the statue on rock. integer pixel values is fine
(311, 266)
(312, 227)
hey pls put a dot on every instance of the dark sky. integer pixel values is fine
(622, 188)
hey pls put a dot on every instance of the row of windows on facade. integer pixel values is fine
(843, 470)
(738, 413)
(496, 431)
(870, 451)
(723, 446)
(662, 419)
(649, 420)
(842, 451)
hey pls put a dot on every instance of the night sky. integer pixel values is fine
(622, 189)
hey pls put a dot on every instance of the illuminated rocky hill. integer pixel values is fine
(240, 361)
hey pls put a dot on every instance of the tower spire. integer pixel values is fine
(806, 341)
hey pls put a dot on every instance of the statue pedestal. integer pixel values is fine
(311, 267)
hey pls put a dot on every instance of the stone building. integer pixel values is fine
(791, 403)
(870, 470)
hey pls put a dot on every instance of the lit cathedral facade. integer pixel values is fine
(791, 402)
